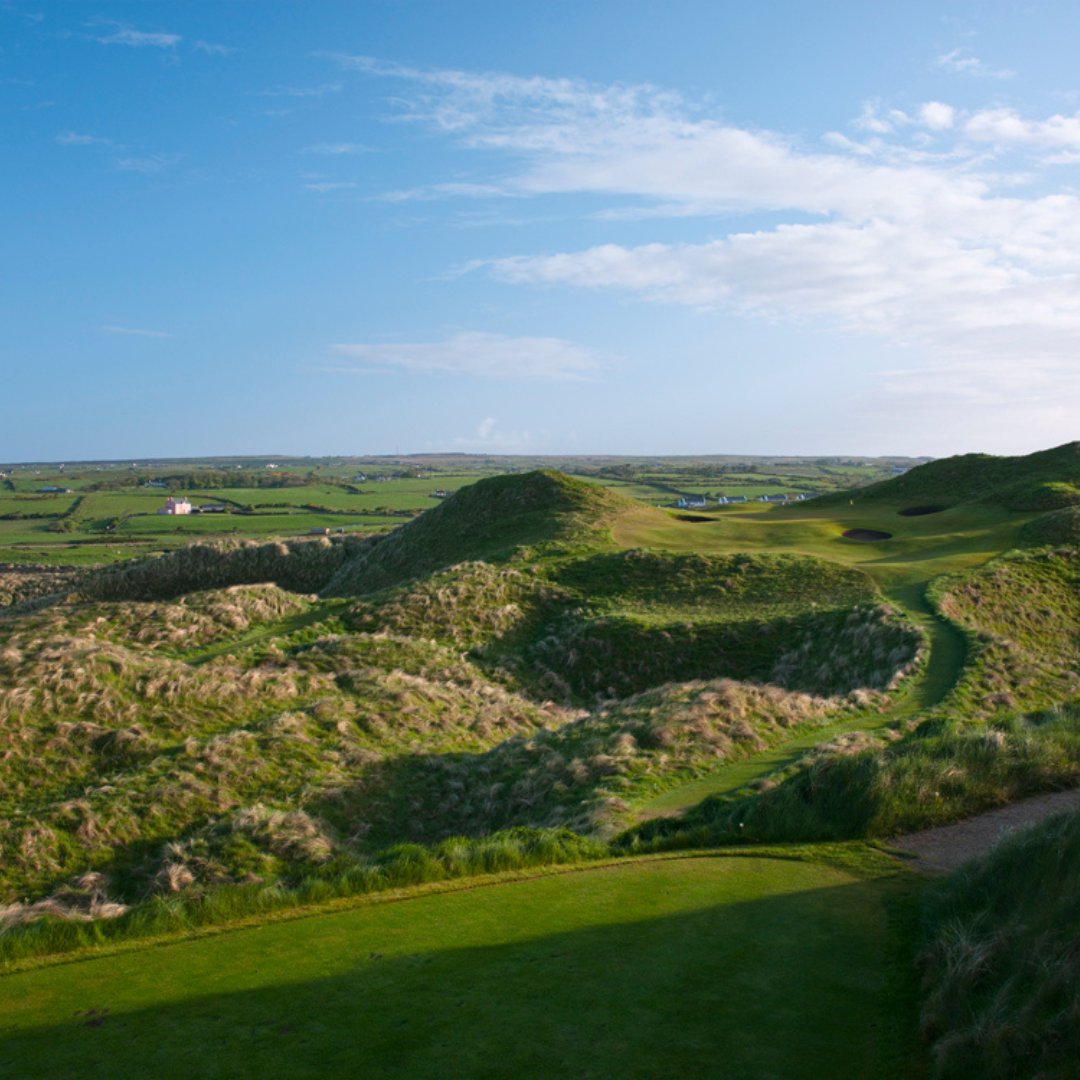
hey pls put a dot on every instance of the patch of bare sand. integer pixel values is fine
(943, 849)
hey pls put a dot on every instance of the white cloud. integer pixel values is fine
(337, 148)
(492, 356)
(322, 186)
(152, 163)
(302, 91)
(75, 138)
(964, 62)
(936, 115)
(139, 39)
(134, 331)
(1005, 127)
(921, 244)
(485, 427)
(211, 49)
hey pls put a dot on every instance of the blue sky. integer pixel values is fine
(395, 227)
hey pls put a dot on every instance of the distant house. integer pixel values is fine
(49, 489)
(736, 499)
(156, 483)
(440, 493)
(359, 478)
(209, 508)
(773, 499)
(691, 502)
(318, 532)
(176, 506)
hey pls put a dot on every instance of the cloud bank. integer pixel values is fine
(938, 228)
(491, 356)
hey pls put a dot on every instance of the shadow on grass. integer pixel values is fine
(812, 983)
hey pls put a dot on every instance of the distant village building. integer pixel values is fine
(736, 499)
(156, 483)
(440, 493)
(773, 499)
(49, 489)
(691, 502)
(176, 506)
(318, 532)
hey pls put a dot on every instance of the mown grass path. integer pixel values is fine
(938, 676)
(702, 966)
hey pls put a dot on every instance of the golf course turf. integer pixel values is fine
(734, 966)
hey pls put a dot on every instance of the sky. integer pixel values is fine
(578, 227)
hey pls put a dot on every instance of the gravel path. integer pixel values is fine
(943, 849)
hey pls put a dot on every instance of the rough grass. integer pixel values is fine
(828, 653)
(488, 519)
(1001, 960)
(28, 583)
(1046, 480)
(1010, 727)
(300, 565)
(582, 774)
(253, 735)
(1060, 528)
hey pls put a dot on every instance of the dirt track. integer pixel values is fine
(943, 849)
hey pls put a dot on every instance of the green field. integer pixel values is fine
(692, 967)
(111, 512)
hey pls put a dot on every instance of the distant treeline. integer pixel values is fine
(210, 479)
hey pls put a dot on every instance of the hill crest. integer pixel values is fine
(488, 519)
(1044, 480)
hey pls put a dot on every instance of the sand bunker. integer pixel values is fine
(693, 517)
(919, 511)
(867, 534)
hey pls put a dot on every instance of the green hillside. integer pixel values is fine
(536, 672)
(486, 520)
(1046, 480)
(1060, 527)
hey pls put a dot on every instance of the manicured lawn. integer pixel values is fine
(731, 967)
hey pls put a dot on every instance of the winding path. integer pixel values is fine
(944, 664)
(947, 847)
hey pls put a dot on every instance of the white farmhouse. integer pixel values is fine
(176, 506)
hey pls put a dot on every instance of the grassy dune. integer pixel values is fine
(536, 671)
(1009, 727)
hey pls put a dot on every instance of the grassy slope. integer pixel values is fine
(944, 665)
(1060, 527)
(488, 519)
(1000, 960)
(1020, 615)
(1045, 480)
(688, 967)
(1008, 728)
